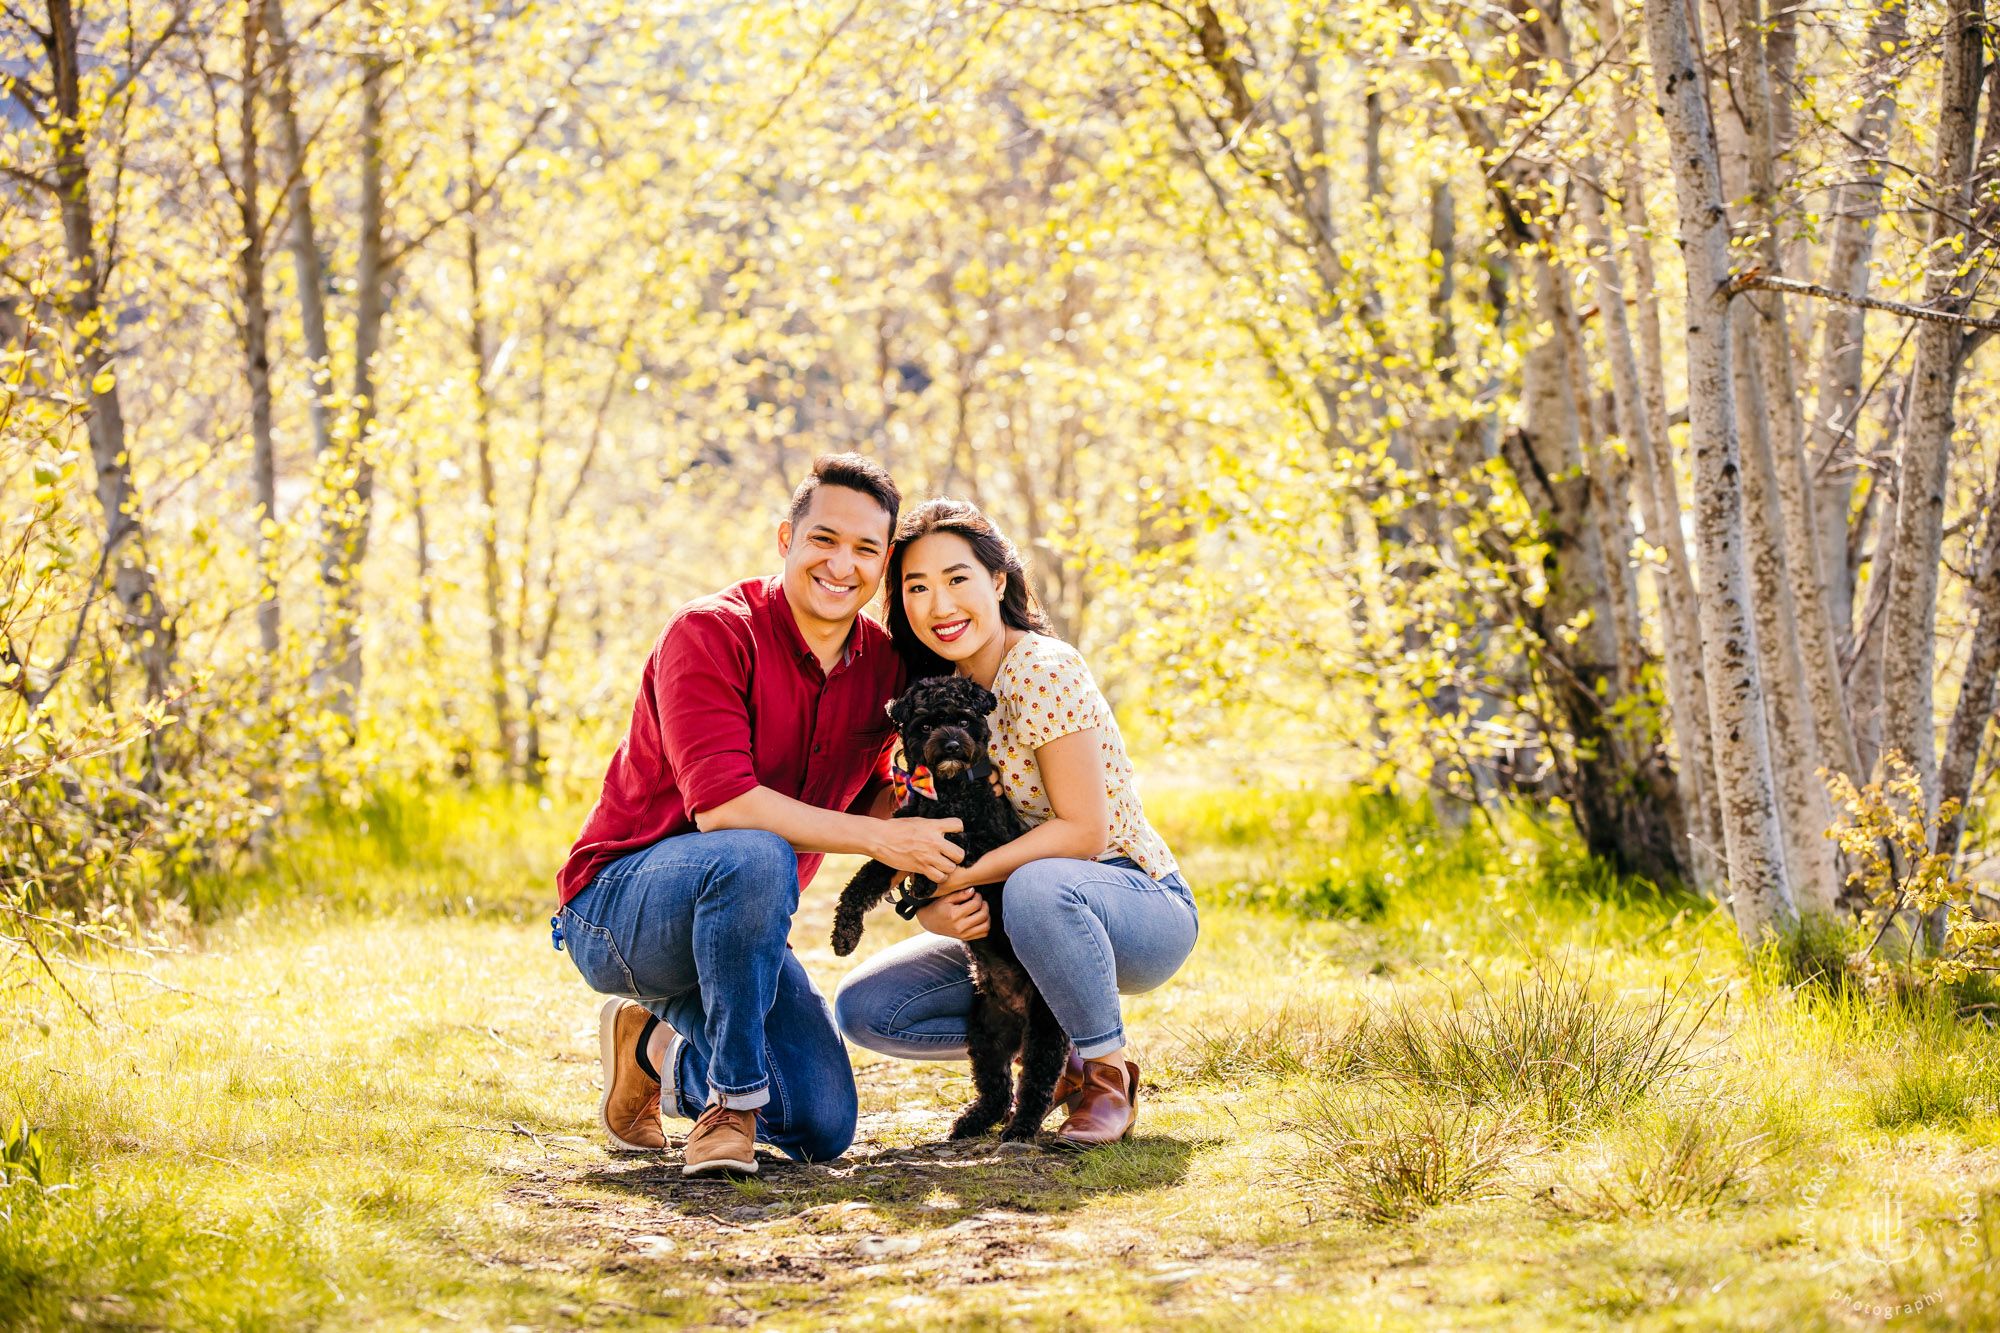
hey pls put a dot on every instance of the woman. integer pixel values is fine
(1094, 904)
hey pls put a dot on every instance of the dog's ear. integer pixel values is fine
(984, 700)
(900, 708)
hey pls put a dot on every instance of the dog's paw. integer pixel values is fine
(975, 1124)
(1021, 1134)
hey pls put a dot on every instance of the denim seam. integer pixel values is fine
(1116, 883)
(925, 1038)
(777, 1085)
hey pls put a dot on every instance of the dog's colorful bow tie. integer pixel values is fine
(916, 780)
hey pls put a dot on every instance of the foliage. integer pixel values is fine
(1887, 834)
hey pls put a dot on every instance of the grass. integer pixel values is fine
(1388, 1159)
(1548, 1045)
(1515, 1094)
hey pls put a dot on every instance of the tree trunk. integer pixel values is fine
(310, 275)
(256, 338)
(353, 480)
(1837, 400)
(1802, 800)
(1760, 893)
(1784, 432)
(533, 763)
(1960, 761)
(143, 621)
(1689, 724)
(482, 444)
(1908, 717)
(1613, 537)
(1622, 806)
(1682, 613)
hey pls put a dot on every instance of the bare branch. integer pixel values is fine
(1755, 280)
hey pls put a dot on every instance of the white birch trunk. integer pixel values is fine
(1908, 721)
(1760, 893)
(1832, 430)
(1784, 427)
(1682, 614)
(1694, 771)
(1802, 800)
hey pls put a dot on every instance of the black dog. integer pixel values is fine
(943, 723)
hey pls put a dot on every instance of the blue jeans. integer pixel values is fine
(694, 929)
(1087, 931)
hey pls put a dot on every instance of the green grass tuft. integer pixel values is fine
(1389, 1158)
(1684, 1160)
(1550, 1046)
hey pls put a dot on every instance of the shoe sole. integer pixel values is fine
(607, 1054)
(722, 1166)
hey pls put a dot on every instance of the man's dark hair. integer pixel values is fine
(854, 472)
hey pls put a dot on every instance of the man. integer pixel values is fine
(758, 742)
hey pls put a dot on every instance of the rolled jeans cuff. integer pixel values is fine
(742, 1101)
(1102, 1046)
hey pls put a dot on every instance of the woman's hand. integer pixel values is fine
(959, 915)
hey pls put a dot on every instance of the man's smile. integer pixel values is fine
(834, 589)
(949, 631)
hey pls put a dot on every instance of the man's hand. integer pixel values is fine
(920, 846)
(961, 915)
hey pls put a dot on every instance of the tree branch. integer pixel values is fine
(1755, 280)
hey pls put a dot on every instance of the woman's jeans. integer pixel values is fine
(694, 929)
(1087, 931)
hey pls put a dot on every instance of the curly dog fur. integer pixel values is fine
(943, 724)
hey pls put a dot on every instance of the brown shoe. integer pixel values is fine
(722, 1141)
(1106, 1108)
(630, 1107)
(1070, 1085)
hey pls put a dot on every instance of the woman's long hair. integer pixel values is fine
(1019, 607)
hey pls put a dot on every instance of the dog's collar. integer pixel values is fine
(907, 903)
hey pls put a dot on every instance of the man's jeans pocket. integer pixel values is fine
(597, 957)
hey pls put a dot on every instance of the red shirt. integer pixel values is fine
(732, 699)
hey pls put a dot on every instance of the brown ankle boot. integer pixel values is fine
(1107, 1107)
(1070, 1084)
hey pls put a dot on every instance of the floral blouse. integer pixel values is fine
(1045, 693)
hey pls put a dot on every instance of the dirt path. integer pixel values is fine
(906, 1223)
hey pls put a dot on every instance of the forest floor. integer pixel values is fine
(356, 1116)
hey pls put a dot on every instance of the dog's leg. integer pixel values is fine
(868, 887)
(1042, 1061)
(992, 1036)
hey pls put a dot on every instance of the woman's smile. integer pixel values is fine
(949, 631)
